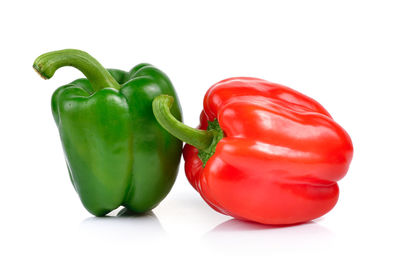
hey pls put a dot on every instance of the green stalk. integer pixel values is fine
(200, 139)
(47, 64)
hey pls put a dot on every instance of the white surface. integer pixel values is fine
(345, 54)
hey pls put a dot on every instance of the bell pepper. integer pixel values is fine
(116, 152)
(263, 152)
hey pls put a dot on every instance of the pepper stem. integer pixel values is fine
(47, 64)
(200, 139)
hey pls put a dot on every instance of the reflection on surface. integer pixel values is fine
(241, 225)
(124, 225)
(243, 236)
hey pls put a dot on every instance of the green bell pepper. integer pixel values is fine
(116, 152)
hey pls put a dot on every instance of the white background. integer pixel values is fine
(345, 54)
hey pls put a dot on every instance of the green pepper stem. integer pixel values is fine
(47, 64)
(201, 139)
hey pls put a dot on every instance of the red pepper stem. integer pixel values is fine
(47, 64)
(200, 139)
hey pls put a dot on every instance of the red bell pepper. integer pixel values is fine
(263, 152)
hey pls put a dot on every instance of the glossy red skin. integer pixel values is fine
(281, 156)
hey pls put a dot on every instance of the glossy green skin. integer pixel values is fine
(116, 152)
